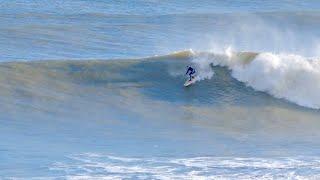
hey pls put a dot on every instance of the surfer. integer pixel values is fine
(191, 71)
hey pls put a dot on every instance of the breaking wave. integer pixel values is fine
(286, 76)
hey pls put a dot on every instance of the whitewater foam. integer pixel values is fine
(105, 167)
(291, 77)
(288, 76)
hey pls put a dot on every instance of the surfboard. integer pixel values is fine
(189, 82)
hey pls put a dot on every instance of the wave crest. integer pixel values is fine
(287, 76)
(292, 77)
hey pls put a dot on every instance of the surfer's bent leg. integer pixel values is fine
(191, 74)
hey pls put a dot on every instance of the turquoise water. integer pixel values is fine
(94, 90)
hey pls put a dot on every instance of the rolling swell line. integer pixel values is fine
(285, 76)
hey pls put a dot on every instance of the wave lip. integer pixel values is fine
(288, 76)
(291, 77)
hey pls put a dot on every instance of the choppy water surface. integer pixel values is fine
(94, 90)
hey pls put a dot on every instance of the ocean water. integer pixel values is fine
(94, 89)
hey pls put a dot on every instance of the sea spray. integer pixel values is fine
(292, 77)
(203, 68)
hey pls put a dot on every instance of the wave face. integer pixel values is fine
(291, 77)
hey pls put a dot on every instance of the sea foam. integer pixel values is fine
(288, 76)
(83, 166)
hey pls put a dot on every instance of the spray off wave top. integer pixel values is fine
(288, 76)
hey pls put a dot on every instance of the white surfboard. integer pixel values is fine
(189, 82)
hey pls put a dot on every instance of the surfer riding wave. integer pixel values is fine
(191, 72)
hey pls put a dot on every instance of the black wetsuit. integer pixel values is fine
(191, 71)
